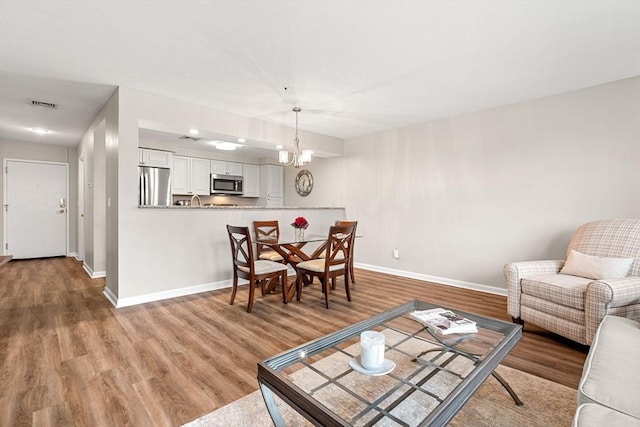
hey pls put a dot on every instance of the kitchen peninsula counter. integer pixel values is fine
(242, 207)
(185, 253)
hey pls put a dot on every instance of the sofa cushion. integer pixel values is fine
(592, 415)
(595, 267)
(611, 376)
(559, 288)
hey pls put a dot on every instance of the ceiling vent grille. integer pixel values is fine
(43, 104)
(189, 138)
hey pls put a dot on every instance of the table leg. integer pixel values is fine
(272, 407)
(507, 387)
(496, 375)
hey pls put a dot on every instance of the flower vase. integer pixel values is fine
(299, 234)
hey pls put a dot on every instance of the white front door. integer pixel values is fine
(36, 203)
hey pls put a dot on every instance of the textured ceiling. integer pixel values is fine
(354, 67)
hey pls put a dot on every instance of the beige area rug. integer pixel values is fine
(545, 404)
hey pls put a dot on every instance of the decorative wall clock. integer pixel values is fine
(304, 182)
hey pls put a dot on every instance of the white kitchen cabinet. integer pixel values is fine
(271, 181)
(200, 176)
(155, 158)
(191, 176)
(226, 168)
(275, 202)
(180, 175)
(251, 180)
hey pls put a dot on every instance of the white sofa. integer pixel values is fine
(609, 390)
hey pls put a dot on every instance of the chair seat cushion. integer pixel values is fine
(264, 267)
(317, 265)
(271, 256)
(560, 288)
(323, 254)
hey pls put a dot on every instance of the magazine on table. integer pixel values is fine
(445, 322)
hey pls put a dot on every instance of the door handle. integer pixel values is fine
(61, 211)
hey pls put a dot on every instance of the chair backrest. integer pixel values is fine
(615, 238)
(241, 248)
(268, 231)
(339, 244)
(355, 227)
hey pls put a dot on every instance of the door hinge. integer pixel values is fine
(6, 246)
(6, 169)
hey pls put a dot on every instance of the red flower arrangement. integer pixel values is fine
(300, 222)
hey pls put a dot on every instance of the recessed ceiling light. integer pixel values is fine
(193, 131)
(40, 131)
(242, 140)
(279, 147)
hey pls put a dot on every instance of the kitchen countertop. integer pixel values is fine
(240, 207)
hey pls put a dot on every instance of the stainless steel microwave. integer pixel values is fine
(226, 184)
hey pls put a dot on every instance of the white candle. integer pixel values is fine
(372, 344)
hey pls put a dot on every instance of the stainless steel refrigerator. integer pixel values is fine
(154, 186)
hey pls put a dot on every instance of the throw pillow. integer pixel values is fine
(595, 267)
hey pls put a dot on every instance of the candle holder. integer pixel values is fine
(372, 345)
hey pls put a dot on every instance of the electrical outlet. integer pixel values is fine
(396, 253)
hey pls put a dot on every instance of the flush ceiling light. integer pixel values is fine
(300, 157)
(226, 146)
(193, 131)
(242, 140)
(40, 131)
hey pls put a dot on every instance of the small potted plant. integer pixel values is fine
(300, 224)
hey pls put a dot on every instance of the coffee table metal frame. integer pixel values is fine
(271, 380)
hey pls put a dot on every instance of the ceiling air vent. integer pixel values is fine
(189, 138)
(43, 104)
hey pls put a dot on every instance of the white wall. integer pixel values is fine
(93, 148)
(328, 183)
(462, 196)
(45, 153)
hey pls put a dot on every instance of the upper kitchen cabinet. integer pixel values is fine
(191, 176)
(271, 181)
(251, 180)
(226, 168)
(155, 158)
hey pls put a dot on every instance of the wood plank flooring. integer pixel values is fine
(67, 357)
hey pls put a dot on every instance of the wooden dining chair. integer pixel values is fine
(353, 244)
(267, 231)
(335, 263)
(263, 272)
(351, 269)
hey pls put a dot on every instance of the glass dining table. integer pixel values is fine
(295, 249)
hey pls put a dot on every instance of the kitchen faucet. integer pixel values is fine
(196, 197)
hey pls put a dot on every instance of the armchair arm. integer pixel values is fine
(515, 271)
(611, 296)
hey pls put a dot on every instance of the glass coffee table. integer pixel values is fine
(425, 380)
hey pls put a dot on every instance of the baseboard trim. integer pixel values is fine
(110, 296)
(93, 274)
(435, 279)
(159, 296)
(213, 286)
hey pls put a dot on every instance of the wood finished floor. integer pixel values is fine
(67, 357)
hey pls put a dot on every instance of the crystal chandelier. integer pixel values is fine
(300, 158)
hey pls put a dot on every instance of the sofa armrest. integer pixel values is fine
(611, 296)
(515, 271)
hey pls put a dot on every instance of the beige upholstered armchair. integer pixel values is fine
(600, 276)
